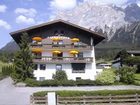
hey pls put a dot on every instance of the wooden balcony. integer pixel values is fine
(62, 47)
(45, 60)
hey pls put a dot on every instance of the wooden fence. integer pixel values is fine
(91, 100)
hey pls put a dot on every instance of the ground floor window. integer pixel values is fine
(41, 78)
(58, 67)
(42, 66)
(78, 67)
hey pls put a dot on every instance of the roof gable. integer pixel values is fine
(97, 37)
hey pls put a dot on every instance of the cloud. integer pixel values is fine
(4, 24)
(3, 8)
(63, 4)
(138, 3)
(25, 20)
(26, 12)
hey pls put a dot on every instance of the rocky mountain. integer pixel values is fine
(132, 12)
(10, 47)
(129, 34)
(108, 18)
(118, 24)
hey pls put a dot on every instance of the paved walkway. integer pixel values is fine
(11, 95)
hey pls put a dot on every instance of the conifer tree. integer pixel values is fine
(23, 60)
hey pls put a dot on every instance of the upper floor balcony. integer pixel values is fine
(62, 47)
(46, 59)
(61, 43)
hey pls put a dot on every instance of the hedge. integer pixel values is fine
(89, 93)
(33, 83)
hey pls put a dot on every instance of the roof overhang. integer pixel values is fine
(97, 37)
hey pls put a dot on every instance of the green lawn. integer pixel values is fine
(137, 76)
(137, 79)
(1, 64)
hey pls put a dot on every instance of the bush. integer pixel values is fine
(7, 70)
(60, 75)
(127, 74)
(85, 82)
(49, 83)
(67, 83)
(32, 83)
(106, 77)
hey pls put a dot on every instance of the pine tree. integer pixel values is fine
(23, 60)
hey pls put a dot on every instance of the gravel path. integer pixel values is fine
(11, 95)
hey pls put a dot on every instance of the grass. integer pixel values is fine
(90, 93)
(2, 64)
(137, 79)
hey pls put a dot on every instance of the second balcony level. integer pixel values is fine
(61, 43)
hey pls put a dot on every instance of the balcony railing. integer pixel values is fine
(61, 46)
(63, 60)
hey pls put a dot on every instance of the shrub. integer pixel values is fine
(60, 75)
(49, 83)
(106, 77)
(7, 70)
(67, 83)
(85, 82)
(127, 74)
(31, 82)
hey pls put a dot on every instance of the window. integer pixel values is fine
(41, 78)
(42, 67)
(78, 67)
(58, 67)
(35, 67)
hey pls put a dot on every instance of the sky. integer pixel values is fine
(19, 14)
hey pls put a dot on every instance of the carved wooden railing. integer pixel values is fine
(46, 59)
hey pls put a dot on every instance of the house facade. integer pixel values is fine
(61, 45)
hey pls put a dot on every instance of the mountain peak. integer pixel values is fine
(132, 12)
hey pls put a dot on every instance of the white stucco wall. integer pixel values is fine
(90, 69)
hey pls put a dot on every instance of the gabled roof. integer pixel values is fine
(93, 34)
(134, 52)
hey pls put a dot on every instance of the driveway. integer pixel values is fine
(11, 95)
